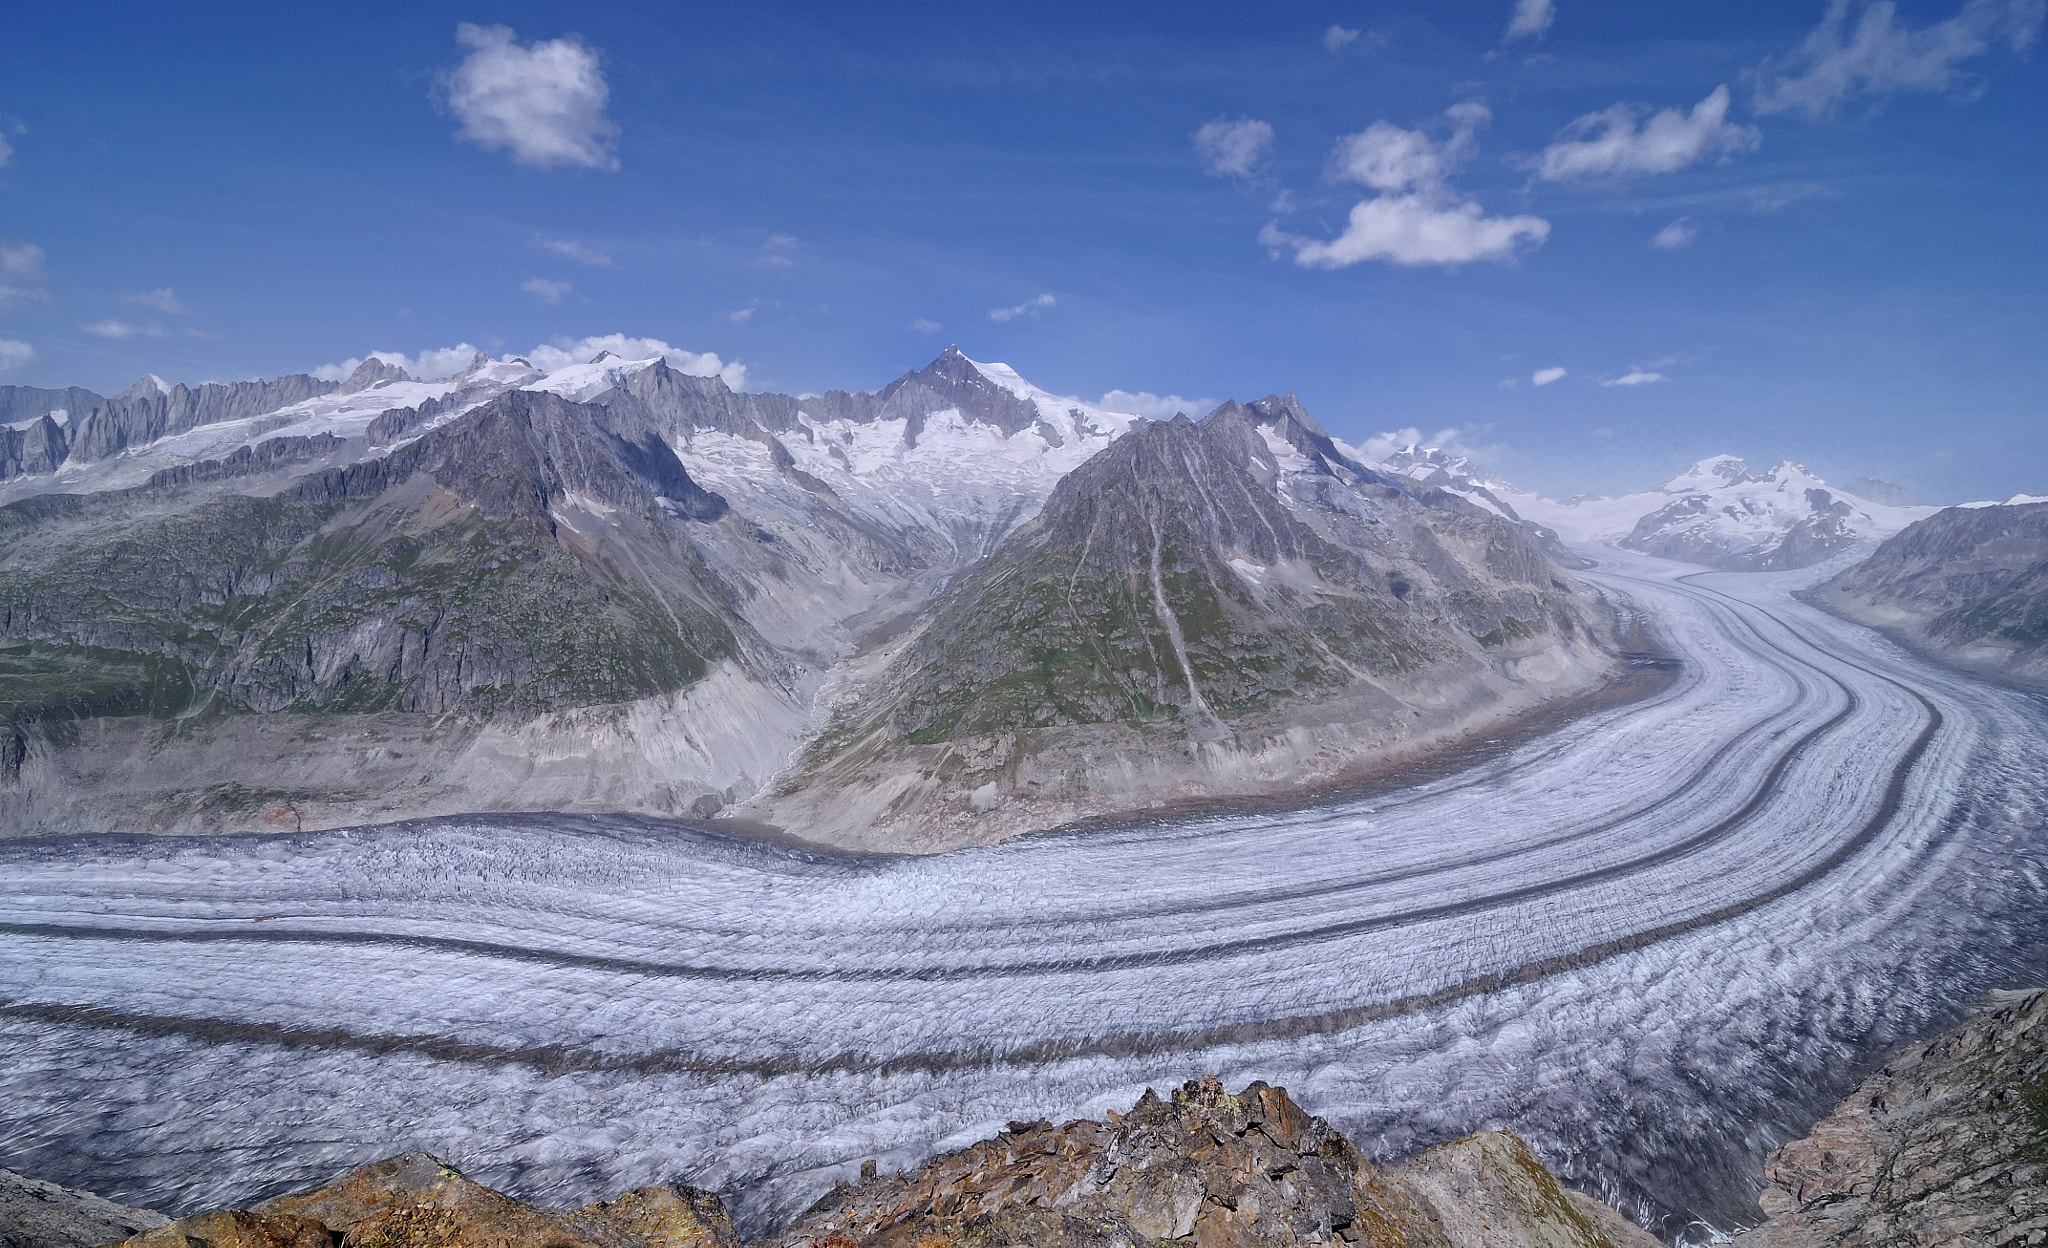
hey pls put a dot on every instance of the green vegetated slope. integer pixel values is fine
(516, 559)
(1167, 582)
(1969, 582)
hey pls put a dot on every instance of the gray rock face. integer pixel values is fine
(1968, 583)
(1179, 589)
(35, 1214)
(1947, 1144)
(30, 440)
(145, 413)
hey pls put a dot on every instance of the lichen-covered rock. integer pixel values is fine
(36, 1214)
(417, 1201)
(1947, 1144)
(1209, 1170)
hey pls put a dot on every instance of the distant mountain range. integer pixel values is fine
(938, 613)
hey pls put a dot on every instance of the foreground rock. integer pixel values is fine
(1969, 584)
(1210, 1170)
(35, 1214)
(1948, 1144)
(1204, 1169)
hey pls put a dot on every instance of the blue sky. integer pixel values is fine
(1407, 213)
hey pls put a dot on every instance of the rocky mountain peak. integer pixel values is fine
(371, 372)
(1714, 472)
(149, 385)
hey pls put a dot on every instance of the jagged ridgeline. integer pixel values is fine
(521, 559)
(938, 613)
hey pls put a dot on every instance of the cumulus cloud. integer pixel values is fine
(1544, 376)
(923, 326)
(543, 102)
(21, 274)
(1611, 143)
(1532, 18)
(1874, 56)
(1233, 149)
(1634, 377)
(162, 299)
(565, 351)
(117, 329)
(1030, 307)
(15, 356)
(1679, 233)
(430, 365)
(1337, 38)
(544, 290)
(570, 249)
(1418, 218)
(1153, 406)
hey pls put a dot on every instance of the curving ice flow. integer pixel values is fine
(1656, 942)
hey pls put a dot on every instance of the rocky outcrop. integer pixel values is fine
(35, 1214)
(148, 410)
(36, 424)
(1207, 1169)
(1947, 1144)
(1180, 612)
(417, 1201)
(1201, 1169)
(1969, 584)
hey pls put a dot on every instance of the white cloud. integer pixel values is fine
(427, 365)
(118, 329)
(1764, 200)
(1153, 406)
(6, 154)
(1544, 376)
(1337, 38)
(1419, 218)
(1610, 144)
(778, 253)
(740, 316)
(1030, 307)
(162, 299)
(570, 249)
(923, 326)
(564, 351)
(1532, 18)
(15, 356)
(21, 274)
(1878, 57)
(544, 102)
(1233, 149)
(1634, 377)
(1679, 233)
(544, 290)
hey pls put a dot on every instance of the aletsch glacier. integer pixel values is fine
(1656, 942)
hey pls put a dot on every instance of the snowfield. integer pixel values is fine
(1656, 942)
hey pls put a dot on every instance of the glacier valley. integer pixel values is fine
(1656, 942)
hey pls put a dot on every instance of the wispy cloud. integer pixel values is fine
(1611, 143)
(1634, 377)
(162, 299)
(117, 329)
(1544, 376)
(777, 253)
(1153, 406)
(15, 356)
(1233, 149)
(923, 326)
(543, 102)
(1765, 200)
(570, 249)
(740, 316)
(22, 279)
(545, 290)
(1679, 233)
(1532, 18)
(1337, 38)
(1417, 218)
(1874, 56)
(1030, 307)
(1381, 445)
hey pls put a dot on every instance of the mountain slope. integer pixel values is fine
(1190, 614)
(1969, 583)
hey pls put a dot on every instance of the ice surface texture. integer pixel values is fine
(1656, 943)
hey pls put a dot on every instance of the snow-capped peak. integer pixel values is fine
(147, 385)
(1713, 473)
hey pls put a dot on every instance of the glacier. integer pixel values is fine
(1655, 942)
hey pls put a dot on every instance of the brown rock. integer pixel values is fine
(235, 1228)
(1207, 1169)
